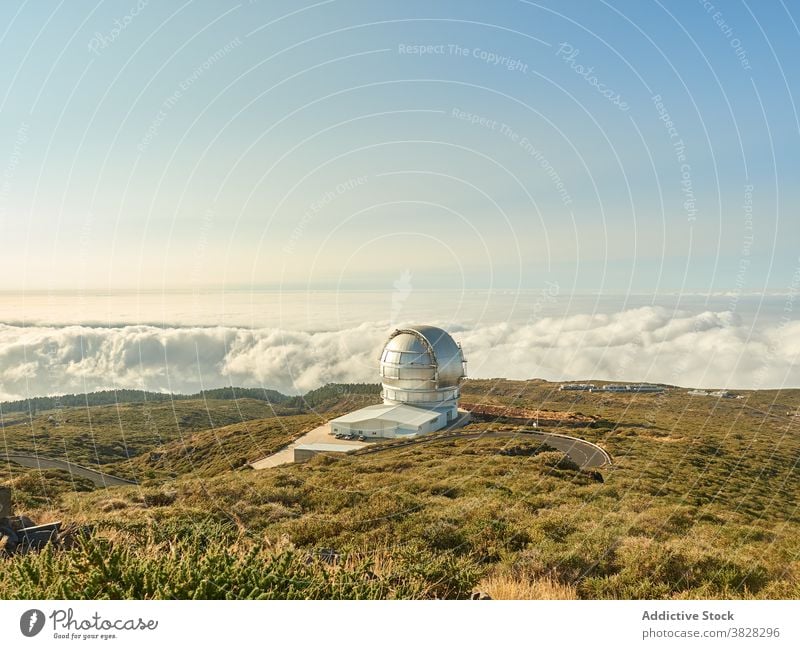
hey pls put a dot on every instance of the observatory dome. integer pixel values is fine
(422, 366)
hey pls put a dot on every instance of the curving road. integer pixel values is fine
(35, 462)
(585, 454)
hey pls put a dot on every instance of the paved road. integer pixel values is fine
(585, 454)
(99, 478)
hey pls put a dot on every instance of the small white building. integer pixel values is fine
(632, 387)
(388, 420)
(646, 387)
(615, 387)
(582, 387)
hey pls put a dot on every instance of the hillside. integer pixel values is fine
(113, 432)
(213, 451)
(701, 502)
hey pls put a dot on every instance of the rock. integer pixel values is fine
(36, 540)
(18, 523)
(47, 527)
(480, 595)
(36, 537)
(7, 530)
(5, 502)
(8, 540)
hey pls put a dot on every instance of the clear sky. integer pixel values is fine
(342, 143)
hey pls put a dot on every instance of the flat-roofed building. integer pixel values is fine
(388, 420)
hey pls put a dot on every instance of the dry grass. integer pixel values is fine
(509, 587)
(113, 504)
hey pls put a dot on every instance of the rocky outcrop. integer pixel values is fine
(19, 534)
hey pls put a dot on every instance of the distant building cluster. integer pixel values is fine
(613, 387)
(716, 393)
(583, 387)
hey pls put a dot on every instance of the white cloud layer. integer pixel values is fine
(710, 349)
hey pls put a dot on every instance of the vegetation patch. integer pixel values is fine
(711, 515)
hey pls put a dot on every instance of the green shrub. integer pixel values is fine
(556, 460)
(443, 535)
(209, 566)
(159, 498)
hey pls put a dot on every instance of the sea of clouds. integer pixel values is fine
(707, 349)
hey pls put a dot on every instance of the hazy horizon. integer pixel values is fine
(297, 341)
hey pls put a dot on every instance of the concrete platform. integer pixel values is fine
(320, 435)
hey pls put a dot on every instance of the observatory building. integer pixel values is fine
(421, 370)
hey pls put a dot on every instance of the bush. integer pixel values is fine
(527, 450)
(113, 504)
(445, 490)
(159, 498)
(443, 535)
(556, 460)
(209, 566)
(492, 539)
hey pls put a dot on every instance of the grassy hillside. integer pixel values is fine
(107, 434)
(113, 432)
(36, 405)
(35, 490)
(214, 451)
(701, 503)
(154, 440)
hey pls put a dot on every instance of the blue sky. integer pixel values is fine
(287, 144)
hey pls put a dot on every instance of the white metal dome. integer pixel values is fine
(422, 365)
